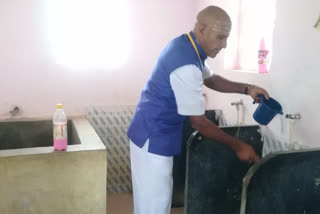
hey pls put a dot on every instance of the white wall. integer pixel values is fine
(296, 67)
(31, 79)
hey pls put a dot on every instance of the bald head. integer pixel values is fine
(212, 30)
(214, 17)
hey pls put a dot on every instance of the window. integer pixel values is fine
(88, 33)
(252, 28)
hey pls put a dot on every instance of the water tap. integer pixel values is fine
(14, 111)
(237, 103)
(296, 116)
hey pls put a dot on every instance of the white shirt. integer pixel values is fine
(186, 83)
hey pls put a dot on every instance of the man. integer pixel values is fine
(172, 93)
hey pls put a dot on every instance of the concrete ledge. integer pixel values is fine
(41, 180)
(89, 140)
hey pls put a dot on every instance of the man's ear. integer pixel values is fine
(200, 29)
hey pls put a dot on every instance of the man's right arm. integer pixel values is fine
(186, 83)
(208, 129)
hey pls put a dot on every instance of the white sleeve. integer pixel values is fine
(186, 83)
(207, 72)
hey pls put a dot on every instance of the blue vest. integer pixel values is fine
(156, 117)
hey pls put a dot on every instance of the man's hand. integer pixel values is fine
(245, 152)
(253, 91)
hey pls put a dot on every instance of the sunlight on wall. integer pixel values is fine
(88, 33)
(252, 21)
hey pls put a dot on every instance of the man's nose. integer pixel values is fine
(224, 43)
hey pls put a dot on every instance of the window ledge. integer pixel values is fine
(247, 71)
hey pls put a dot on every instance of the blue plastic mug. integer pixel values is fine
(266, 110)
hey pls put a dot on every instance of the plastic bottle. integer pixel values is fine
(263, 58)
(60, 135)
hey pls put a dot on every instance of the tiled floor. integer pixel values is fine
(122, 203)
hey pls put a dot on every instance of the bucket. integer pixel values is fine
(266, 110)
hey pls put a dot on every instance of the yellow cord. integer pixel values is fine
(195, 48)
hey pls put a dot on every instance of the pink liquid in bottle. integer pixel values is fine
(60, 145)
(60, 137)
(263, 57)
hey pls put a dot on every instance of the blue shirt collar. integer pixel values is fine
(201, 52)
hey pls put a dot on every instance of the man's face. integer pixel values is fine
(215, 37)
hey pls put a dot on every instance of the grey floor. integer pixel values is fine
(122, 203)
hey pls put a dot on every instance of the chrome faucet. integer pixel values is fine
(296, 116)
(237, 103)
(14, 111)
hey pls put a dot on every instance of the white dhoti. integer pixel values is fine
(151, 181)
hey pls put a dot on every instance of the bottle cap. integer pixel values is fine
(59, 106)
